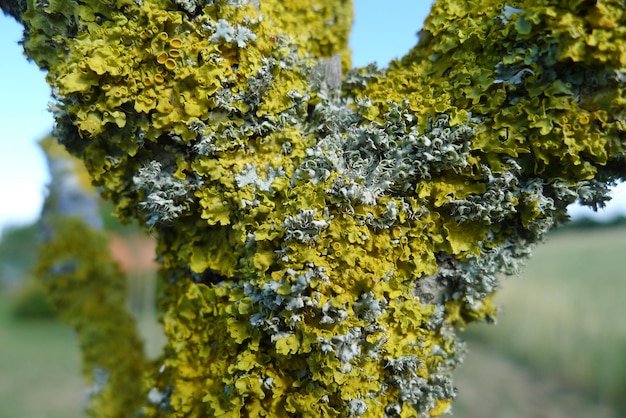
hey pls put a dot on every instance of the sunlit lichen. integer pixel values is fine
(324, 230)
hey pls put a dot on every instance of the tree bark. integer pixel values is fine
(324, 231)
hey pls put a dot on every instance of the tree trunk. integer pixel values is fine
(325, 230)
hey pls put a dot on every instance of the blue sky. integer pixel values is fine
(380, 33)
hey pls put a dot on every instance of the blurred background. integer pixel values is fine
(558, 350)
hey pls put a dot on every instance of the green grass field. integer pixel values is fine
(564, 321)
(39, 368)
(558, 351)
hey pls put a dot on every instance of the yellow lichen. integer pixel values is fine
(323, 232)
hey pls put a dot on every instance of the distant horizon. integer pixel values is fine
(379, 34)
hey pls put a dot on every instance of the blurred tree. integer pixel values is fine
(323, 231)
(87, 288)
